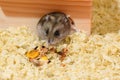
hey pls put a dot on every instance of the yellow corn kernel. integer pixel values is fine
(44, 58)
(32, 54)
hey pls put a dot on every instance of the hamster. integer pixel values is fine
(54, 27)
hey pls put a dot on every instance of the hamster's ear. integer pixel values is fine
(71, 21)
(49, 18)
(73, 28)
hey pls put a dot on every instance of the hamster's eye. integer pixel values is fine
(47, 31)
(57, 33)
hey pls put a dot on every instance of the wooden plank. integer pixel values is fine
(28, 12)
(53, 2)
(38, 12)
(31, 8)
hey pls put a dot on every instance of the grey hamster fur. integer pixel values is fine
(54, 27)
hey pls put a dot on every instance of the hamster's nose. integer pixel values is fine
(50, 41)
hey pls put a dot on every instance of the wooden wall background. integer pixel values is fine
(79, 10)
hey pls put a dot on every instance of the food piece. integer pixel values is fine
(39, 62)
(43, 50)
(52, 49)
(63, 53)
(35, 62)
(39, 57)
(32, 54)
(44, 58)
(35, 47)
(49, 61)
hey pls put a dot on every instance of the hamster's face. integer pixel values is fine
(53, 27)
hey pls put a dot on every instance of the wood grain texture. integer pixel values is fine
(36, 8)
(28, 12)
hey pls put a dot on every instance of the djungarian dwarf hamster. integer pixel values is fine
(54, 27)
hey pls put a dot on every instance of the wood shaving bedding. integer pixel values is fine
(88, 58)
(106, 16)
